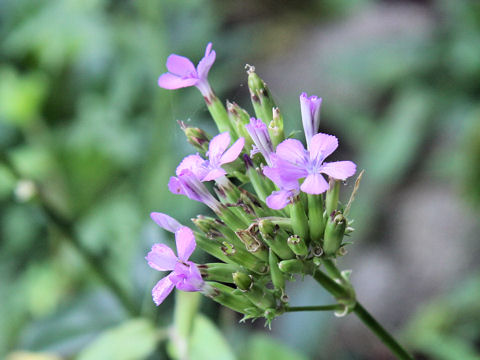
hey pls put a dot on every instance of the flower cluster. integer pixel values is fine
(291, 223)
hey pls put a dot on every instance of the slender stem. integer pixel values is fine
(381, 333)
(67, 228)
(315, 308)
(339, 291)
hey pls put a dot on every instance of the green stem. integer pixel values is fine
(67, 228)
(334, 307)
(338, 291)
(381, 333)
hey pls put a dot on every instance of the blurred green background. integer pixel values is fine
(82, 118)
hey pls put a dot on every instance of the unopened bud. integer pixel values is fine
(243, 281)
(196, 137)
(275, 128)
(218, 271)
(226, 296)
(278, 278)
(334, 231)
(275, 238)
(293, 266)
(331, 198)
(297, 245)
(252, 244)
(262, 101)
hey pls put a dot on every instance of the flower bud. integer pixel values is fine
(334, 231)
(275, 238)
(196, 137)
(297, 245)
(243, 281)
(262, 101)
(239, 118)
(227, 296)
(331, 198)
(293, 266)
(218, 271)
(262, 185)
(278, 278)
(316, 221)
(275, 128)
(299, 218)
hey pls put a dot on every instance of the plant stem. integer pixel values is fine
(67, 228)
(339, 291)
(315, 308)
(381, 333)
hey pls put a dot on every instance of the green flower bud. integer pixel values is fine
(244, 258)
(278, 278)
(331, 199)
(262, 185)
(220, 116)
(262, 101)
(334, 232)
(299, 218)
(198, 138)
(275, 128)
(275, 238)
(243, 281)
(316, 222)
(293, 266)
(227, 296)
(298, 246)
(218, 271)
(239, 118)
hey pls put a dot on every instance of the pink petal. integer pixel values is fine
(321, 146)
(339, 170)
(289, 173)
(195, 164)
(232, 153)
(166, 222)
(217, 147)
(214, 174)
(206, 63)
(161, 258)
(292, 151)
(314, 184)
(172, 82)
(163, 288)
(278, 199)
(185, 241)
(274, 174)
(180, 65)
(175, 186)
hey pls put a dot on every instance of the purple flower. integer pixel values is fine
(166, 222)
(261, 138)
(185, 274)
(310, 108)
(219, 155)
(293, 162)
(188, 182)
(288, 189)
(182, 72)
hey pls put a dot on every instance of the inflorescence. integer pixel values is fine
(276, 213)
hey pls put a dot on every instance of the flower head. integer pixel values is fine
(185, 274)
(310, 108)
(261, 138)
(293, 162)
(182, 73)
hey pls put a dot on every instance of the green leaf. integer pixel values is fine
(132, 340)
(207, 342)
